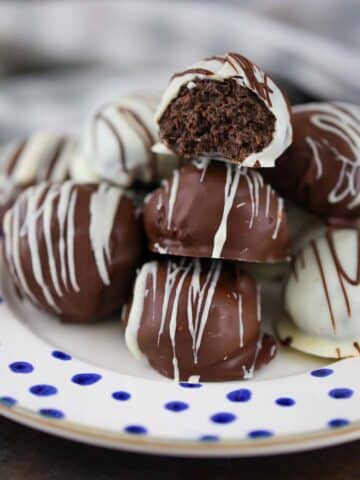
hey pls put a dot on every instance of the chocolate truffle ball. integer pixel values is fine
(227, 107)
(73, 249)
(322, 296)
(321, 170)
(44, 156)
(117, 144)
(217, 210)
(195, 320)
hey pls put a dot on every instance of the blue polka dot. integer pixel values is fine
(285, 401)
(136, 430)
(190, 385)
(7, 401)
(223, 417)
(1, 299)
(341, 393)
(260, 434)
(85, 379)
(176, 406)
(21, 367)
(43, 390)
(61, 355)
(51, 413)
(121, 396)
(240, 395)
(338, 423)
(209, 438)
(322, 372)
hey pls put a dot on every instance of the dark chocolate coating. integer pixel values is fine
(214, 201)
(222, 343)
(320, 171)
(56, 262)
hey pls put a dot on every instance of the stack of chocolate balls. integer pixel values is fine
(74, 238)
(195, 314)
(213, 155)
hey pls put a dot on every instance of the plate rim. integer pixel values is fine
(280, 444)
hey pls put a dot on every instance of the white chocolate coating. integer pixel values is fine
(248, 75)
(44, 156)
(324, 347)
(117, 144)
(322, 294)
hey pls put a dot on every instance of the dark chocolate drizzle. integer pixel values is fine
(261, 87)
(199, 71)
(323, 279)
(357, 346)
(146, 137)
(343, 276)
(16, 155)
(51, 162)
(99, 116)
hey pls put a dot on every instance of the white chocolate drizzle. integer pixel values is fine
(343, 121)
(103, 207)
(279, 216)
(315, 151)
(258, 302)
(135, 314)
(241, 321)
(249, 372)
(172, 197)
(231, 185)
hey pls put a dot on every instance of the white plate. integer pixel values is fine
(294, 403)
(89, 413)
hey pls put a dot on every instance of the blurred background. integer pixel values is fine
(58, 59)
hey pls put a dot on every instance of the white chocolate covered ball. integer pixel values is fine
(322, 296)
(117, 144)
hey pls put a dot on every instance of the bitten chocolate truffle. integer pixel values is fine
(44, 156)
(227, 107)
(117, 144)
(217, 210)
(321, 296)
(197, 320)
(321, 170)
(72, 249)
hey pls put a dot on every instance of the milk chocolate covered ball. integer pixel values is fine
(195, 320)
(72, 250)
(217, 210)
(321, 170)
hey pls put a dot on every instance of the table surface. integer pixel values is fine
(28, 454)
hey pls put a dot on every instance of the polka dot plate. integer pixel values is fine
(80, 382)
